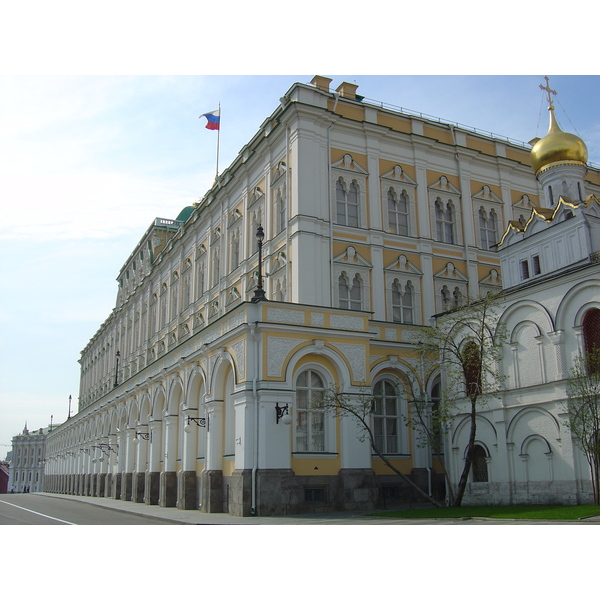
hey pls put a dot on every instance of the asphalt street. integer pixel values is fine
(59, 509)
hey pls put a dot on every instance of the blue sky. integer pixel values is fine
(99, 132)
(87, 163)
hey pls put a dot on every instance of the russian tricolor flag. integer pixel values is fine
(213, 119)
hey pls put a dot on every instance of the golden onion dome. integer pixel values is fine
(557, 146)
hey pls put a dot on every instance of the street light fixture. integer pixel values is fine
(259, 292)
(117, 370)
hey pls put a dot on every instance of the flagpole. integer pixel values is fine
(218, 140)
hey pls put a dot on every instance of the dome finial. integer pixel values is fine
(548, 91)
(557, 146)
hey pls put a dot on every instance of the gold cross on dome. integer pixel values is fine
(548, 90)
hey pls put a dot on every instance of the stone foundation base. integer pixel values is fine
(168, 489)
(138, 483)
(187, 490)
(126, 481)
(152, 488)
(212, 491)
(116, 486)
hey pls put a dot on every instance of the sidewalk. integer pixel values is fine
(195, 517)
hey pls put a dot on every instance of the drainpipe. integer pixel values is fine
(329, 201)
(288, 197)
(255, 398)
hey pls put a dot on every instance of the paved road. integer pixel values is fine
(61, 509)
(34, 509)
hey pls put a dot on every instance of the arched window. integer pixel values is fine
(402, 303)
(471, 364)
(346, 203)
(310, 422)
(487, 228)
(386, 416)
(437, 438)
(479, 464)
(591, 339)
(458, 297)
(444, 219)
(350, 297)
(280, 213)
(235, 250)
(446, 302)
(398, 212)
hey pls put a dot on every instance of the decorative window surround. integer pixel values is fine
(398, 182)
(351, 264)
(347, 172)
(443, 195)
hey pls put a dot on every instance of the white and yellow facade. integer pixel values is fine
(374, 221)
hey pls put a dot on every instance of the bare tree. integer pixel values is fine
(466, 345)
(584, 412)
(429, 420)
(360, 406)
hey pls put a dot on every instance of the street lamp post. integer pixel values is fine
(117, 370)
(259, 292)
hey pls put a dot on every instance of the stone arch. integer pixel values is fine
(484, 425)
(195, 406)
(145, 409)
(318, 351)
(527, 310)
(175, 396)
(158, 403)
(538, 418)
(395, 373)
(576, 302)
(218, 373)
(133, 415)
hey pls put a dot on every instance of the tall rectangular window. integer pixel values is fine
(347, 203)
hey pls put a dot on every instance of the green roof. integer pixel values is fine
(184, 215)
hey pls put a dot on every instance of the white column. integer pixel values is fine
(214, 449)
(155, 445)
(170, 456)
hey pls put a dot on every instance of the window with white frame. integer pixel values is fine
(200, 271)
(351, 288)
(403, 302)
(310, 433)
(451, 288)
(350, 293)
(436, 425)
(398, 211)
(163, 304)
(347, 202)
(234, 249)
(398, 201)
(444, 221)
(279, 195)
(187, 289)
(174, 295)
(446, 299)
(386, 417)
(215, 264)
(488, 228)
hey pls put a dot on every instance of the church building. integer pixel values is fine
(550, 265)
(312, 264)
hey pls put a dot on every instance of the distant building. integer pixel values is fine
(28, 461)
(4, 476)
(374, 219)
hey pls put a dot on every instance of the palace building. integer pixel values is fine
(195, 391)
